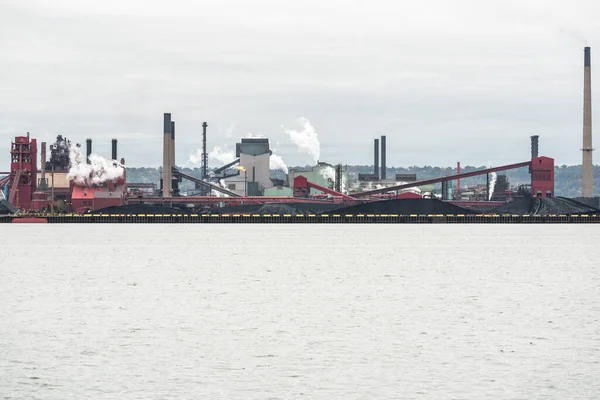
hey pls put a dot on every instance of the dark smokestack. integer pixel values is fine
(88, 149)
(172, 143)
(376, 160)
(43, 166)
(587, 178)
(204, 154)
(383, 165)
(114, 149)
(204, 162)
(534, 146)
(167, 155)
(174, 180)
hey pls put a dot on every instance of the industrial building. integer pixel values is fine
(247, 180)
(29, 188)
(253, 174)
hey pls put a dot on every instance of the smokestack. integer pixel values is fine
(587, 178)
(383, 166)
(114, 149)
(172, 143)
(175, 183)
(167, 156)
(534, 147)
(458, 180)
(43, 166)
(88, 149)
(204, 162)
(204, 154)
(376, 160)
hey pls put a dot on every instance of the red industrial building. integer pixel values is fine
(542, 177)
(110, 194)
(23, 171)
(28, 193)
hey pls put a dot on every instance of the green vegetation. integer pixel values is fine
(568, 178)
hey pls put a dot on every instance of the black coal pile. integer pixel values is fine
(563, 205)
(405, 207)
(139, 209)
(537, 206)
(278, 208)
(519, 206)
(7, 208)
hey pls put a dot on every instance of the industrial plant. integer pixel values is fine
(68, 182)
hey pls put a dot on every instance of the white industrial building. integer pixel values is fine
(253, 169)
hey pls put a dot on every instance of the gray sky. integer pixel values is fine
(466, 80)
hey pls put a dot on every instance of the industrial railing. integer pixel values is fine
(308, 218)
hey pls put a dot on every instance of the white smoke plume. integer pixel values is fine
(276, 162)
(196, 157)
(218, 154)
(221, 155)
(328, 172)
(305, 138)
(97, 172)
(493, 178)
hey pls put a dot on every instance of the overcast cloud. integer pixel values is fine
(444, 80)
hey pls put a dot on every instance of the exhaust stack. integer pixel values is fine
(383, 166)
(43, 166)
(175, 182)
(535, 146)
(88, 152)
(114, 150)
(172, 155)
(167, 156)
(587, 177)
(204, 154)
(376, 160)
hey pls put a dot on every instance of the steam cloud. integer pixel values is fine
(493, 178)
(97, 172)
(217, 154)
(196, 157)
(276, 162)
(305, 138)
(329, 173)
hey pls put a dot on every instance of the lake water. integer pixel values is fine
(299, 312)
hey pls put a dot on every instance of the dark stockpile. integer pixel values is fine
(562, 205)
(139, 209)
(517, 207)
(537, 206)
(278, 208)
(405, 207)
(7, 208)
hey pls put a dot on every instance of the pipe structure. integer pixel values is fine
(376, 157)
(587, 175)
(383, 165)
(114, 149)
(88, 152)
(167, 155)
(438, 180)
